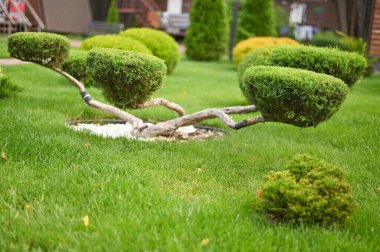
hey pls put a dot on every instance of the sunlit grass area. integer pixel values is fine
(172, 196)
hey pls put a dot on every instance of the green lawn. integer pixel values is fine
(3, 49)
(170, 196)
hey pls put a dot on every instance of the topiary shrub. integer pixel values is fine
(294, 96)
(256, 18)
(46, 49)
(160, 43)
(246, 46)
(116, 42)
(346, 66)
(76, 65)
(127, 78)
(206, 38)
(309, 191)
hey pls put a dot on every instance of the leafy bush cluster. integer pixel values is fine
(206, 38)
(248, 45)
(127, 78)
(158, 42)
(294, 96)
(346, 66)
(256, 18)
(116, 42)
(7, 88)
(42, 48)
(308, 191)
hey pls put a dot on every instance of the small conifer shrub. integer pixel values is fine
(127, 78)
(256, 18)
(308, 191)
(7, 88)
(207, 36)
(113, 13)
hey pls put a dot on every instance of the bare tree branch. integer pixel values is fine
(161, 101)
(167, 127)
(136, 122)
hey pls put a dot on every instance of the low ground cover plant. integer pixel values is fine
(129, 79)
(308, 191)
(246, 46)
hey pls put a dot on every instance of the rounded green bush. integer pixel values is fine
(46, 49)
(298, 97)
(127, 78)
(346, 66)
(309, 191)
(207, 36)
(160, 43)
(116, 42)
(76, 64)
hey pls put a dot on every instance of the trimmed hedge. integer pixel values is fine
(127, 78)
(160, 43)
(206, 38)
(43, 48)
(346, 66)
(246, 46)
(298, 97)
(256, 18)
(116, 42)
(309, 191)
(76, 64)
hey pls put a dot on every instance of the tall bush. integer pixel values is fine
(256, 18)
(207, 36)
(113, 13)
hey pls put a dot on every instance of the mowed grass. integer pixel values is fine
(164, 196)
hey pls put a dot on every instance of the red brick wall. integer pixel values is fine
(375, 33)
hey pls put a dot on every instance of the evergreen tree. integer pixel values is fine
(256, 19)
(207, 36)
(113, 13)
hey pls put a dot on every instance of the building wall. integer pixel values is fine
(375, 33)
(319, 13)
(69, 16)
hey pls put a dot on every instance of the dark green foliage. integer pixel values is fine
(47, 49)
(113, 13)
(346, 66)
(127, 78)
(326, 39)
(309, 191)
(281, 17)
(256, 18)
(207, 36)
(76, 65)
(294, 96)
(7, 88)
(114, 41)
(160, 43)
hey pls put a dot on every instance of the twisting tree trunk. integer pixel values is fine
(168, 127)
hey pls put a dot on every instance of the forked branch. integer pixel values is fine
(161, 101)
(168, 127)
